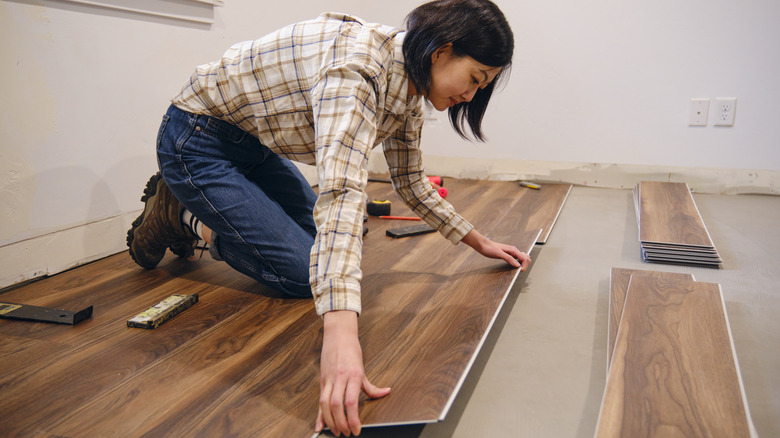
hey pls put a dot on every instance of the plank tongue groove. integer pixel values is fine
(674, 371)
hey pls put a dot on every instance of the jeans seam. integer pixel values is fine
(227, 223)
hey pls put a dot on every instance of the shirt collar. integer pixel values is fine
(398, 100)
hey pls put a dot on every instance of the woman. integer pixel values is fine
(323, 92)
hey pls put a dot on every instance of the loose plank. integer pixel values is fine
(668, 214)
(618, 285)
(674, 371)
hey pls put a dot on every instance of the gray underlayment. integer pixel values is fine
(542, 370)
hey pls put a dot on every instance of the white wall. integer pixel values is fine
(595, 84)
(609, 81)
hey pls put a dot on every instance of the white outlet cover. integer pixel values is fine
(725, 109)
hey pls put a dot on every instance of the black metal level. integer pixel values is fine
(43, 314)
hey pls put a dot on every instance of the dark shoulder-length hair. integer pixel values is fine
(476, 28)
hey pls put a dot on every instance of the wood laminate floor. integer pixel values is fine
(540, 371)
(618, 285)
(673, 371)
(242, 361)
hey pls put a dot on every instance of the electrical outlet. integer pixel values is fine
(699, 110)
(726, 108)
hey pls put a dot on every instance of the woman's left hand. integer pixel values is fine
(495, 250)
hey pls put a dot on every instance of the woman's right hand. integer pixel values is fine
(342, 376)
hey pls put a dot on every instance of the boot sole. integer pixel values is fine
(149, 191)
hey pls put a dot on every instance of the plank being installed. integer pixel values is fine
(542, 207)
(674, 371)
(243, 361)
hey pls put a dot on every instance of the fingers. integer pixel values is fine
(339, 408)
(320, 423)
(525, 260)
(512, 260)
(325, 414)
(336, 407)
(518, 258)
(351, 406)
(372, 391)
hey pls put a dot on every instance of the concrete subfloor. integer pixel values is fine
(542, 370)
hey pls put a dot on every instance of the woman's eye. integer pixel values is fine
(474, 80)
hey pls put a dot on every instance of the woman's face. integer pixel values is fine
(456, 79)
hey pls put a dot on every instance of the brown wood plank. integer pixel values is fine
(244, 362)
(537, 209)
(191, 382)
(541, 208)
(618, 285)
(103, 353)
(668, 214)
(436, 345)
(674, 371)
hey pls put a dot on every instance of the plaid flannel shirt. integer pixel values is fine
(325, 92)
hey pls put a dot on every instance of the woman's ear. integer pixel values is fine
(443, 50)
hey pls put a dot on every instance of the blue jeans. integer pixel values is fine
(257, 204)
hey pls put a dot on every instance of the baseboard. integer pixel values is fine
(58, 251)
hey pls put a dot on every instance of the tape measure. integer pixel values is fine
(378, 208)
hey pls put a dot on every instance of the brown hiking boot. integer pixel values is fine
(159, 227)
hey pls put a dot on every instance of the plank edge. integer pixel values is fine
(474, 355)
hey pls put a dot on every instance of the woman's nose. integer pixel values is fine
(469, 94)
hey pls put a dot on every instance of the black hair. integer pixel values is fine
(476, 28)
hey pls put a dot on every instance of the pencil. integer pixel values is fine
(401, 218)
(529, 185)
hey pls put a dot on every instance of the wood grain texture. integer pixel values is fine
(243, 361)
(618, 286)
(536, 209)
(674, 372)
(668, 214)
(541, 208)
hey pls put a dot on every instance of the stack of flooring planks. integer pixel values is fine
(244, 362)
(672, 367)
(671, 229)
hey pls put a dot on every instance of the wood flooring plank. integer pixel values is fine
(674, 371)
(433, 349)
(668, 214)
(618, 285)
(537, 209)
(188, 382)
(542, 207)
(242, 361)
(680, 259)
(110, 355)
(421, 286)
(485, 210)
